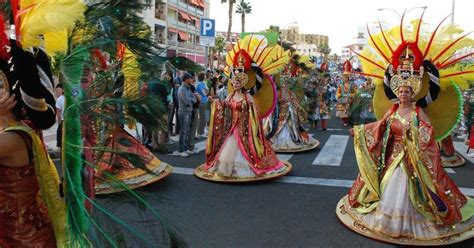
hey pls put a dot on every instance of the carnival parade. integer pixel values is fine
(145, 124)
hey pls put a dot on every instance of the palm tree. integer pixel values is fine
(324, 49)
(243, 8)
(218, 48)
(231, 6)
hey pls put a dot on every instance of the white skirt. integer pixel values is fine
(395, 215)
(231, 161)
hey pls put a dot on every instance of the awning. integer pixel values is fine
(183, 35)
(201, 3)
(172, 30)
(195, 2)
(185, 16)
(196, 20)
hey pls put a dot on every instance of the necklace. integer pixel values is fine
(5, 122)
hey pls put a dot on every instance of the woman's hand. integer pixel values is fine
(7, 102)
(351, 132)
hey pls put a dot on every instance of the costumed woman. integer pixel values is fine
(402, 194)
(362, 109)
(237, 149)
(287, 133)
(318, 95)
(345, 95)
(32, 211)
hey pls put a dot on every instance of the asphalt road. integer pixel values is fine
(271, 213)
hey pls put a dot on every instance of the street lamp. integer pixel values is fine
(396, 12)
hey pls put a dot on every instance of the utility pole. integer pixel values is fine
(452, 12)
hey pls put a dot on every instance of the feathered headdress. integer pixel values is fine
(259, 61)
(439, 55)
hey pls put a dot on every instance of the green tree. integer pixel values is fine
(231, 7)
(217, 50)
(243, 9)
(324, 49)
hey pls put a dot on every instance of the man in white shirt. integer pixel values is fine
(59, 114)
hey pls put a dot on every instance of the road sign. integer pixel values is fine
(207, 32)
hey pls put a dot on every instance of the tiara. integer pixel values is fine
(238, 74)
(406, 75)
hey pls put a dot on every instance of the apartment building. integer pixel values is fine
(293, 35)
(175, 24)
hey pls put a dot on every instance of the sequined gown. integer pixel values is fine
(24, 220)
(287, 132)
(402, 189)
(236, 145)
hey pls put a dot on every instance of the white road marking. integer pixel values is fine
(337, 129)
(183, 171)
(449, 170)
(332, 151)
(284, 157)
(462, 149)
(198, 147)
(309, 180)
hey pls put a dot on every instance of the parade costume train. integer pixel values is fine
(46, 212)
(402, 194)
(286, 132)
(237, 149)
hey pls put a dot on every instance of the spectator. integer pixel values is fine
(60, 104)
(194, 120)
(186, 100)
(159, 136)
(222, 89)
(203, 91)
(173, 104)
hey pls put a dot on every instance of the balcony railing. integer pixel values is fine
(183, 25)
(172, 22)
(183, 5)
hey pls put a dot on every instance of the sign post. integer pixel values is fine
(207, 36)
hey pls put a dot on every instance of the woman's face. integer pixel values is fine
(237, 84)
(404, 94)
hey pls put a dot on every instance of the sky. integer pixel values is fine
(339, 19)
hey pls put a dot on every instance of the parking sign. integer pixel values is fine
(207, 32)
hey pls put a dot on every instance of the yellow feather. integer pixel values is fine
(49, 17)
(55, 42)
(461, 80)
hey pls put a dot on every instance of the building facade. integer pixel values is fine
(175, 25)
(292, 35)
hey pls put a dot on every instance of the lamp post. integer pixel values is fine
(400, 16)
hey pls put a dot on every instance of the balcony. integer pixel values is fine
(172, 22)
(183, 5)
(182, 25)
(172, 42)
(199, 12)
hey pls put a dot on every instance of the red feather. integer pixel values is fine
(372, 62)
(427, 49)
(450, 45)
(416, 53)
(443, 65)
(456, 74)
(419, 26)
(401, 26)
(367, 74)
(100, 57)
(376, 46)
(3, 40)
(385, 38)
